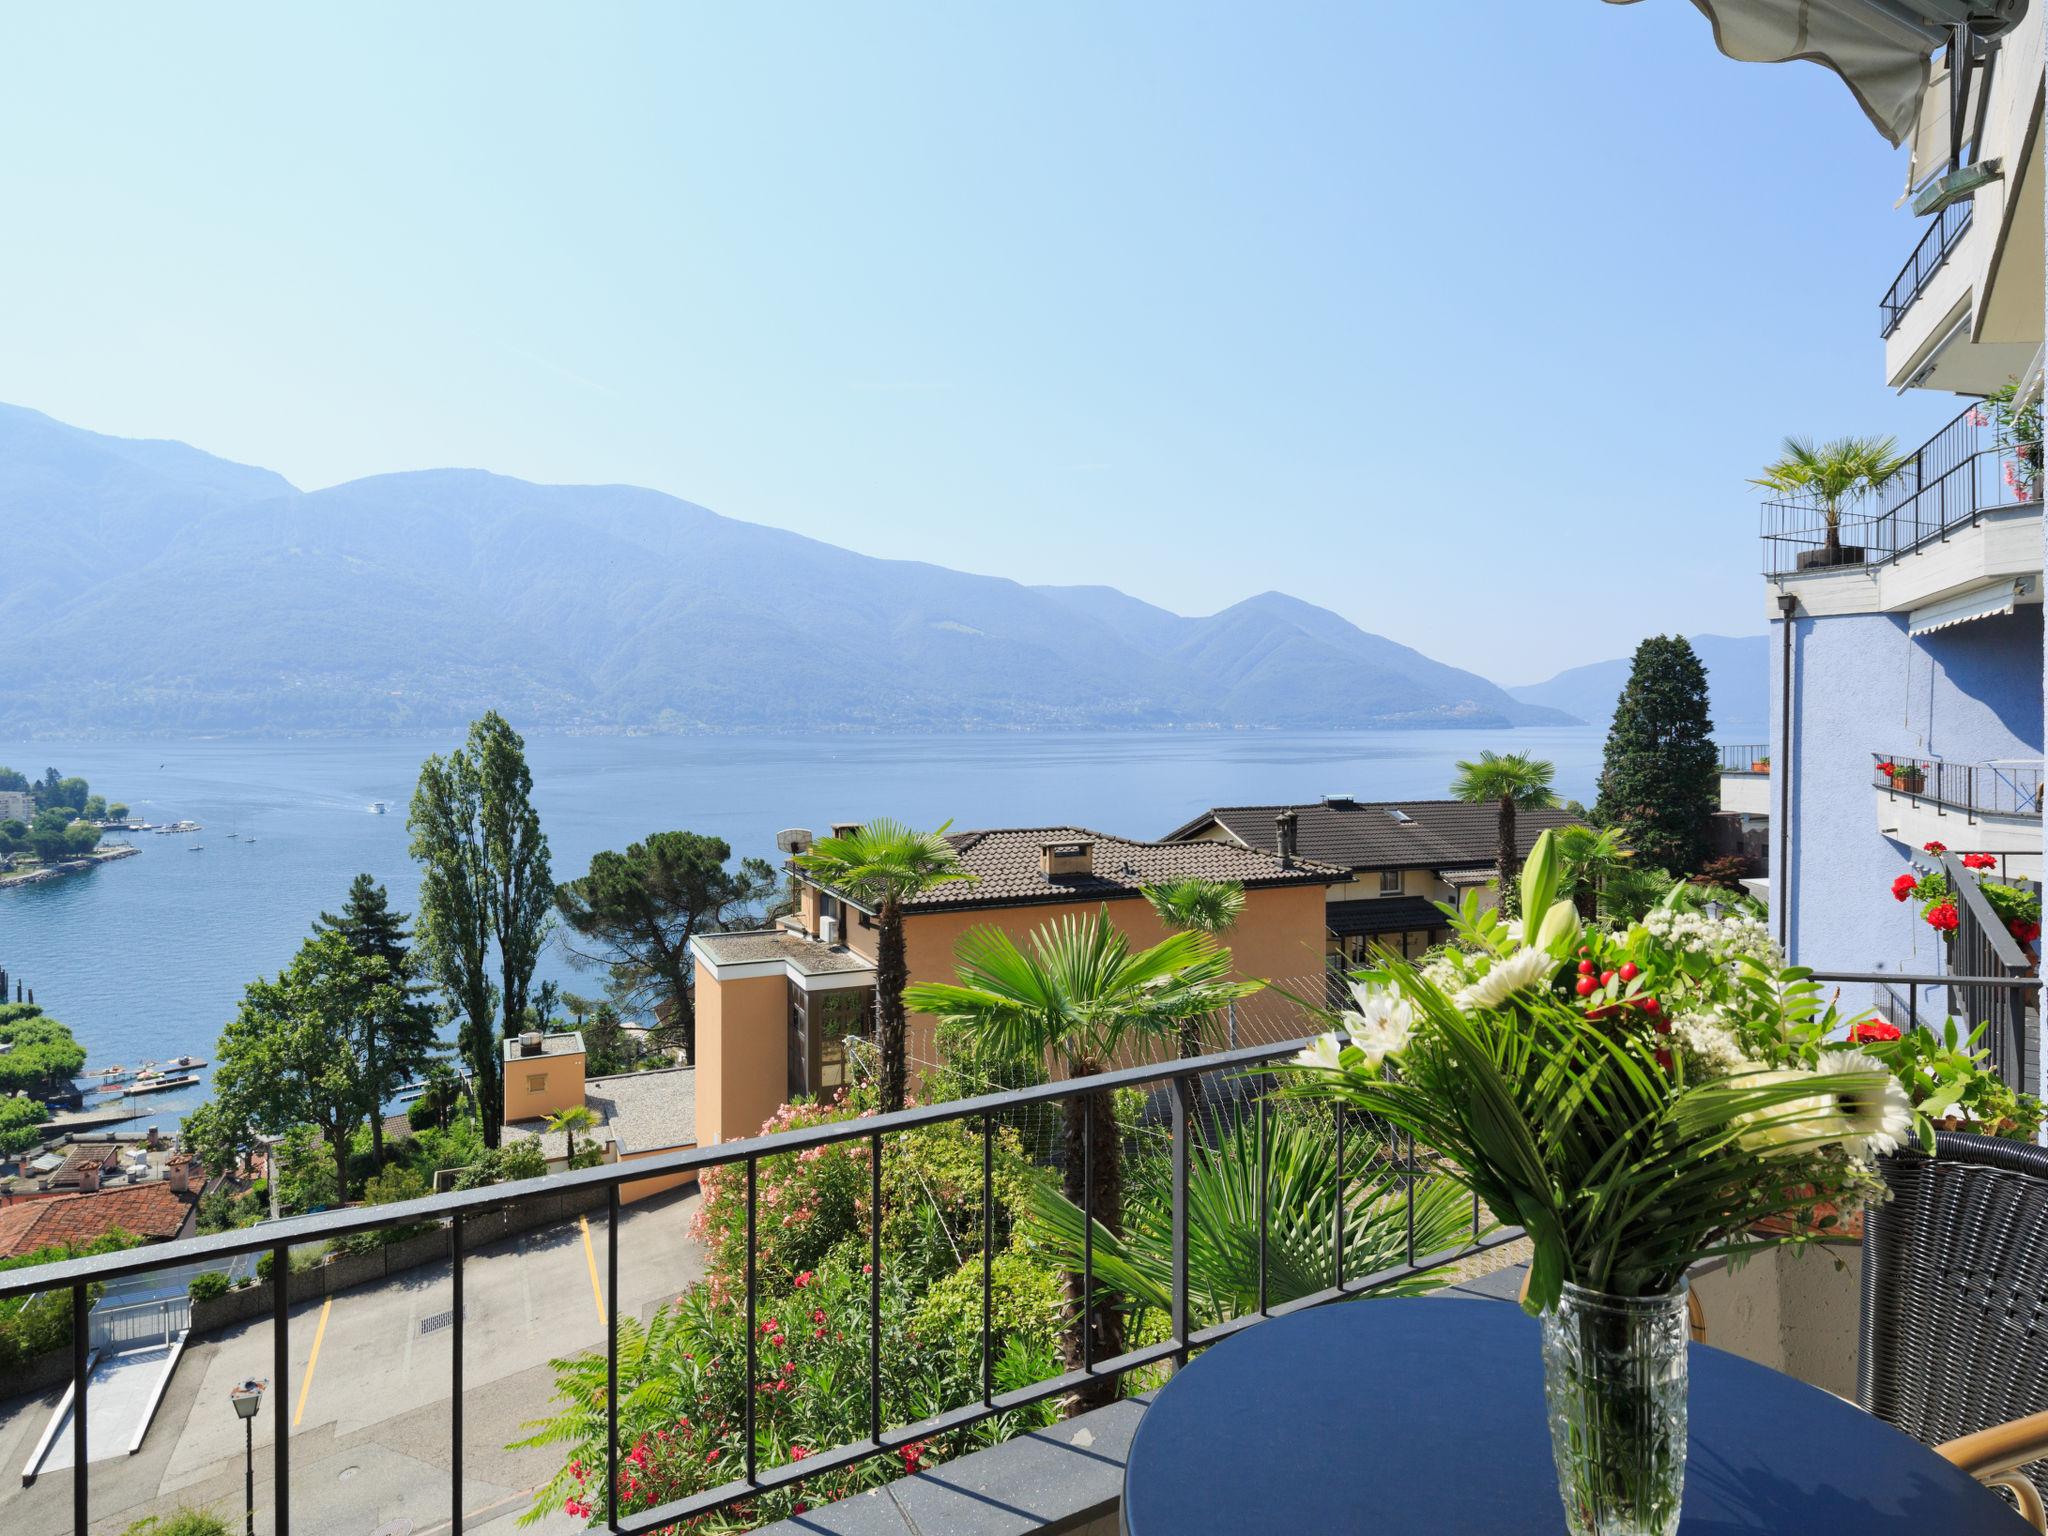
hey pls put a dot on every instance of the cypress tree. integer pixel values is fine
(398, 1040)
(1657, 782)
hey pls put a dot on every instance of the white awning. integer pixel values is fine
(1880, 48)
(1977, 603)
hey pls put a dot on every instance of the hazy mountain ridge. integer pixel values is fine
(158, 588)
(1738, 683)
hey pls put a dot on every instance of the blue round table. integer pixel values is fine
(1426, 1415)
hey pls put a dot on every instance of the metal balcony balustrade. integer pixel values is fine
(1933, 249)
(1965, 470)
(1740, 758)
(2010, 788)
(1190, 1113)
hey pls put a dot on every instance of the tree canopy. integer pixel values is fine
(636, 912)
(399, 1042)
(1657, 781)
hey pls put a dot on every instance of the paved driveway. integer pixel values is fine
(369, 1394)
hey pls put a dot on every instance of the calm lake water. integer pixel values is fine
(146, 957)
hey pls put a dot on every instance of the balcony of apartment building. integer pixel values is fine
(406, 1402)
(1992, 808)
(1963, 313)
(1954, 535)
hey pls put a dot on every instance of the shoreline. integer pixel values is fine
(79, 866)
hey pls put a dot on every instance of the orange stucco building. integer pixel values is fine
(773, 1006)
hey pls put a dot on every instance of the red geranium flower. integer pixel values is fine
(2026, 932)
(1871, 1031)
(1887, 769)
(1979, 861)
(1903, 887)
(1943, 917)
(1935, 847)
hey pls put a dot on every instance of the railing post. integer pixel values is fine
(455, 1378)
(753, 1333)
(1337, 1204)
(281, 1368)
(1264, 1175)
(1088, 1239)
(611, 1350)
(988, 1247)
(81, 1352)
(875, 1288)
(1183, 1126)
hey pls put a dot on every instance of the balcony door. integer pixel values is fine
(819, 1023)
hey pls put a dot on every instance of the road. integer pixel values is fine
(369, 1394)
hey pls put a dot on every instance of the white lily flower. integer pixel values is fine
(1324, 1051)
(1382, 1023)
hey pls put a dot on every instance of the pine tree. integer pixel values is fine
(400, 1040)
(1657, 781)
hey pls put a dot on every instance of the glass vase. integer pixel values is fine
(1614, 1374)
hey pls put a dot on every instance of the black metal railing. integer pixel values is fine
(1739, 758)
(2000, 1000)
(1935, 244)
(1968, 468)
(2012, 788)
(1189, 1112)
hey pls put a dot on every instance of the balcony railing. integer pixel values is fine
(1939, 239)
(1192, 1114)
(2012, 788)
(1965, 470)
(1738, 758)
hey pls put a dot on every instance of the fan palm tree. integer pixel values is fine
(1589, 860)
(1074, 993)
(1831, 473)
(1195, 905)
(882, 864)
(1518, 783)
(1223, 1222)
(577, 1117)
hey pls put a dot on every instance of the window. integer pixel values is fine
(1390, 882)
(536, 1082)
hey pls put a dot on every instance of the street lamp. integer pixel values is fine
(248, 1398)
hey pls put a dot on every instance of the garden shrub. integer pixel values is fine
(209, 1285)
(187, 1521)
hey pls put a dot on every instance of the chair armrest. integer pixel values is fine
(2000, 1448)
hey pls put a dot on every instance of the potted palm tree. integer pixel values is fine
(1517, 783)
(1075, 992)
(883, 864)
(1830, 474)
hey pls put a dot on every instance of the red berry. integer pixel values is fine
(1651, 1005)
(1585, 967)
(1628, 972)
(1587, 986)
(1606, 977)
(1584, 950)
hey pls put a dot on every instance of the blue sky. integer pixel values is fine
(1467, 322)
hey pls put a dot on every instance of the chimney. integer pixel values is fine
(178, 1176)
(88, 1178)
(1058, 860)
(845, 828)
(1283, 826)
(1341, 802)
(156, 1141)
(529, 1043)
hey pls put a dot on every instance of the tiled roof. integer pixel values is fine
(152, 1210)
(1368, 834)
(1006, 862)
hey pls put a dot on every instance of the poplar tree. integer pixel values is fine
(1657, 782)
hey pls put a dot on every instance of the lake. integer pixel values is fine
(146, 957)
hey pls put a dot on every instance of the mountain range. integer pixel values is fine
(1738, 684)
(146, 586)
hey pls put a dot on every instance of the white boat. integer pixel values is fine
(379, 807)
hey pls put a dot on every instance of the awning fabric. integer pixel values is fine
(1388, 914)
(1977, 603)
(1880, 48)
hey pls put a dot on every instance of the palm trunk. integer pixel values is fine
(1100, 1197)
(1190, 1039)
(1505, 856)
(891, 976)
(1833, 543)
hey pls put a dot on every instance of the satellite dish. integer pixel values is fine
(794, 839)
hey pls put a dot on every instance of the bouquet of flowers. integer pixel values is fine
(1636, 1101)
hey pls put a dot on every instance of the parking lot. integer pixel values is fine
(369, 1394)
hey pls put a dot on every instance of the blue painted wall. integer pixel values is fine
(1861, 685)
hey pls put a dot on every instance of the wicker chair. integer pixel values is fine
(1955, 1309)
